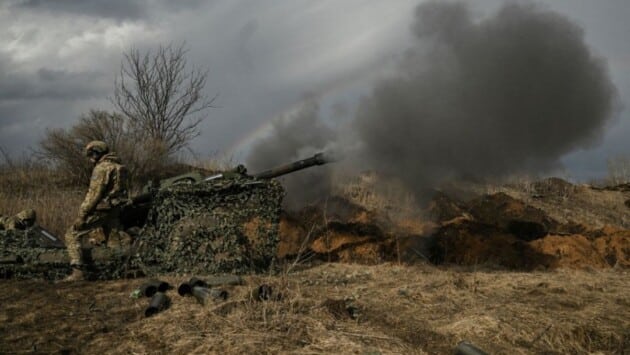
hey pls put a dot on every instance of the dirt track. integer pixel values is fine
(333, 308)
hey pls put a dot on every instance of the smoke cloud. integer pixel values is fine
(507, 94)
(296, 135)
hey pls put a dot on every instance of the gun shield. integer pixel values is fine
(159, 302)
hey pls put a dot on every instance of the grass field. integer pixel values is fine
(389, 308)
(332, 308)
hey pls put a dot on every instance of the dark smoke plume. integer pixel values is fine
(296, 136)
(509, 94)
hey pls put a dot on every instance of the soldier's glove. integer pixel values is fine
(79, 223)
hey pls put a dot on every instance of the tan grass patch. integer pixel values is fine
(400, 309)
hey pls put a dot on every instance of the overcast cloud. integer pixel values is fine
(58, 59)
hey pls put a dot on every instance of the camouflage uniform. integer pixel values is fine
(107, 193)
(22, 220)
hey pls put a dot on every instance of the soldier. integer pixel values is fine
(107, 194)
(23, 220)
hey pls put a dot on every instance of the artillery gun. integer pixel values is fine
(222, 223)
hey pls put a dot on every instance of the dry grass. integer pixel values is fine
(388, 196)
(56, 195)
(562, 201)
(594, 207)
(327, 308)
(333, 308)
(46, 191)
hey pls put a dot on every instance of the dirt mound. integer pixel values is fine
(494, 229)
(442, 208)
(337, 230)
(352, 242)
(615, 248)
(608, 250)
(503, 230)
(510, 215)
(471, 243)
(571, 250)
(292, 236)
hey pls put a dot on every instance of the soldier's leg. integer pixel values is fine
(73, 246)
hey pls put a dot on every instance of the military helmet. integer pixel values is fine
(27, 216)
(98, 147)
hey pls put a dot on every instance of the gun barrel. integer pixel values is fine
(317, 159)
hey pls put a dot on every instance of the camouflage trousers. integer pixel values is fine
(106, 219)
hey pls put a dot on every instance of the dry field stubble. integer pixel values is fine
(332, 308)
(567, 202)
(325, 308)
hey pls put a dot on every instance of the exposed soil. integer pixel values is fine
(540, 268)
(496, 228)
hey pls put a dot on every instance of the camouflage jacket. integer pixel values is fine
(109, 186)
(9, 223)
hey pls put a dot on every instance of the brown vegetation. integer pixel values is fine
(160, 104)
(47, 191)
(573, 299)
(332, 308)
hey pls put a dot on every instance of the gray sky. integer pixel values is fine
(58, 59)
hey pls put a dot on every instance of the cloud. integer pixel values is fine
(121, 9)
(50, 84)
(33, 100)
(113, 9)
(507, 94)
(511, 93)
(261, 56)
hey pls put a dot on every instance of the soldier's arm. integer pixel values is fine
(8, 223)
(96, 192)
(12, 224)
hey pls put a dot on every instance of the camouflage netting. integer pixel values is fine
(221, 226)
(23, 257)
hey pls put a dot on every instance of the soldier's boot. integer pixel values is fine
(76, 275)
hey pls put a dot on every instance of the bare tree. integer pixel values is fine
(65, 147)
(160, 104)
(162, 99)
